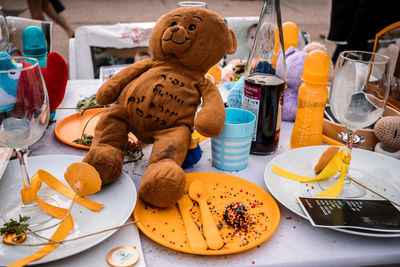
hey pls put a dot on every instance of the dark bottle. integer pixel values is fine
(263, 95)
(264, 80)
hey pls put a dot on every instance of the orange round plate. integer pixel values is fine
(71, 127)
(165, 226)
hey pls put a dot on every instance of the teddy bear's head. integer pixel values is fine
(195, 37)
(387, 131)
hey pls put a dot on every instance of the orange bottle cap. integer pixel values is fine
(316, 67)
(290, 34)
(290, 38)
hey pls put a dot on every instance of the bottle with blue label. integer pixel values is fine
(34, 44)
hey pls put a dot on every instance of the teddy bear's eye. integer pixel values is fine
(173, 24)
(192, 27)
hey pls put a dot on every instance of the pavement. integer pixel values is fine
(311, 16)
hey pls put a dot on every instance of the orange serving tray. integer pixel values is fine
(71, 127)
(165, 226)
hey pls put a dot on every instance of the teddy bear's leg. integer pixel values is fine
(163, 182)
(107, 151)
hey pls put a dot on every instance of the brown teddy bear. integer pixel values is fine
(157, 98)
(387, 130)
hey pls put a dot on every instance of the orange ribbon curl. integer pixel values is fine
(29, 194)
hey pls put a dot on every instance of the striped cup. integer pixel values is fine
(230, 150)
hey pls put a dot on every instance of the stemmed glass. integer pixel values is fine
(24, 116)
(4, 34)
(192, 4)
(357, 98)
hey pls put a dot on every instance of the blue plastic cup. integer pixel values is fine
(230, 150)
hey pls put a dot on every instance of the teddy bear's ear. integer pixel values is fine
(233, 41)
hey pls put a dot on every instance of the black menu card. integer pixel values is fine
(376, 215)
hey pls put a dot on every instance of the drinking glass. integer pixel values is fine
(357, 98)
(4, 34)
(24, 116)
(192, 4)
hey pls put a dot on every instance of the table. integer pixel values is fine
(295, 243)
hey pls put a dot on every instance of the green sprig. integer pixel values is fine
(14, 227)
(86, 102)
(86, 140)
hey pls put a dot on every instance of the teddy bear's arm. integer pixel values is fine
(211, 118)
(110, 90)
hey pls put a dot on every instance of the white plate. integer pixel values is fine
(5, 153)
(119, 199)
(379, 172)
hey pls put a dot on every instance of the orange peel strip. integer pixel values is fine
(56, 185)
(29, 193)
(59, 235)
(340, 162)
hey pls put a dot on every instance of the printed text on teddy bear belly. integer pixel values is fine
(164, 104)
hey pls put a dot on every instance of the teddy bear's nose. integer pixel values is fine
(174, 29)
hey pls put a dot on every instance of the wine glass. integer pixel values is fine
(357, 98)
(192, 4)
(4, 34)
(24, 116)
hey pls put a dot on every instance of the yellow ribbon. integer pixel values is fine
(60, 234)
(340, 162)
(61, 188)
(29, 194)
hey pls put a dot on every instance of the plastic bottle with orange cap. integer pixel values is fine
(290, 36)
(312, 98)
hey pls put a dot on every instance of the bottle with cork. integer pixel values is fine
(312, 98)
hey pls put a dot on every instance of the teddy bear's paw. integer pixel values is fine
(162, 184)
(209, 126)
(107, 160)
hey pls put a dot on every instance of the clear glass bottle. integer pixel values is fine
(264, 83)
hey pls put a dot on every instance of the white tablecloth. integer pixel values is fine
(295, 243)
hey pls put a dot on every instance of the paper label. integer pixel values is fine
(373, 215)
(123, 256)
(251, 102)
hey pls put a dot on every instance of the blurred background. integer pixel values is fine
(311, 16)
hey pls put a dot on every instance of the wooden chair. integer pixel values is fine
(387, 42)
